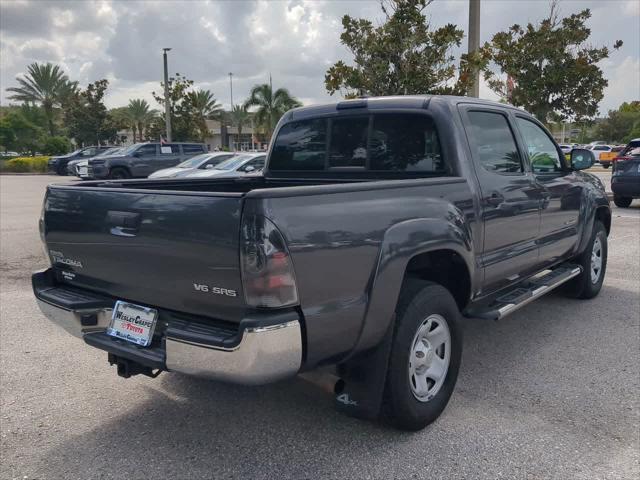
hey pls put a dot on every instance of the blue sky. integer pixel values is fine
(296, 41)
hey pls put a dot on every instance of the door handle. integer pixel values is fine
(123, 224)
(495, 199)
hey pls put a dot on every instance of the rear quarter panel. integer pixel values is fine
(347, 244)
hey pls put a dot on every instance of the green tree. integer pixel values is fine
(87, 118)
(56, 145)
(184, 125)
(402, 56)
(270, 105)
(18, 133)
(554, 69)
(45, 84)
(203, 106)
(620, 125)
(140, 116)
(239, 118)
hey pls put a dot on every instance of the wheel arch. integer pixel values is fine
(419, 248)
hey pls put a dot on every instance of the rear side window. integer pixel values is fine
(146, 150)
(300, 146)
(190, 149)
(398, 142)
(494, 143)
(169, 149)
(405, 143)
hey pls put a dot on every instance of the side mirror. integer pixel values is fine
(249, 169)
(581, 159)
(208, 167)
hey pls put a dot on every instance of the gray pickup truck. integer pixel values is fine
(142, 159)
(378, 224)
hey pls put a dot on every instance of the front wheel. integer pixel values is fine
(622, 202)
(425, 356)
(119, 173)
(594, 265)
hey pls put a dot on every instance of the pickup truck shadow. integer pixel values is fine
(191, 428)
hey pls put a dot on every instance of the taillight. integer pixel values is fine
(268, 278)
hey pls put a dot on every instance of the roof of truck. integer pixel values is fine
(396, 101)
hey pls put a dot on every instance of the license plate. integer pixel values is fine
(133, 323)
(82, 171)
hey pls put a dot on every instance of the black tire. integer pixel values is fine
(119, 173)
(62, 171)
(622, 202)
(606, 165)
(418, 301)
(583, 286)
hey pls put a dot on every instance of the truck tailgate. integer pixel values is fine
(172, 250)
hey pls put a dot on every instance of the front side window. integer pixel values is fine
(300, 146)
(348, 146)
(146, 150)
(542, 152)
(404, 143)
(495, 145)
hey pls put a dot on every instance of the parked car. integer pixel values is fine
(203, 162)
(625, 180)
(602, 154)
(238, 166)
(377, 224)
(566, 148)
(72, 166)
(9, 154)
(142, 159)
(606, 158)
(59, 163)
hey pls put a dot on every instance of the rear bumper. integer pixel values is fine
(626, 185)
(265, 348)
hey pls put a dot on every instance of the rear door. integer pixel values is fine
(159, 249)
(562, 191)
(169, 155)
(510, 200)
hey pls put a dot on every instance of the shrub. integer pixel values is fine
(26, 164)
(56, 145)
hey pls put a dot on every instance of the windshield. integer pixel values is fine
(110, 151)
(233, 163)
(193, 162)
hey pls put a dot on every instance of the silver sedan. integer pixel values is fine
(199, 163)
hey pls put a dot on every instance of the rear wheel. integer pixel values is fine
(606, 165)
(594, 265)
(622, 202)
(119, 173)
(425, 355)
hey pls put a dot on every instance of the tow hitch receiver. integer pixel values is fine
(128, 368)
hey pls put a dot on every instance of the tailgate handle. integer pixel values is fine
(123, 224)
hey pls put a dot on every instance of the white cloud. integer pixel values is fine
(294, 40)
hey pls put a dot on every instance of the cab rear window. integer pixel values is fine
(390, 142)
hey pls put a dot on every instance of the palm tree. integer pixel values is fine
(45, 84)
(239, 117)
(271, 105)
(140, 115)
(204, 106)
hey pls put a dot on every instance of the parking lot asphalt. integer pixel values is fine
(550, 392)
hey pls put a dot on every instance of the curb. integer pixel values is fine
(28, 173)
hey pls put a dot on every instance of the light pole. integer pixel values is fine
(231, 87)
(167, 100)
(474, 43)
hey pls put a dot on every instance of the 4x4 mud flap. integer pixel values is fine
(361, 388)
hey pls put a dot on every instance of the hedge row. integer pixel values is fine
(25, 165)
